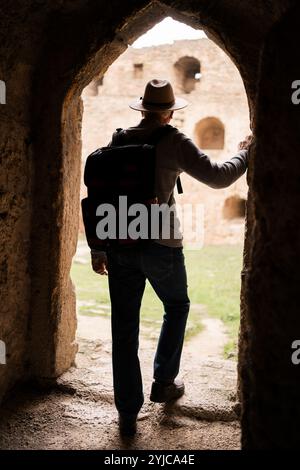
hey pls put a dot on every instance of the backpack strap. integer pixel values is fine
(179, 185)
(118, 136)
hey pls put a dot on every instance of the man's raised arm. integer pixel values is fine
(216, 175)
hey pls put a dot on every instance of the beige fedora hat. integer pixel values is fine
(158, 96)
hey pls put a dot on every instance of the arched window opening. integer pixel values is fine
(210, 134)
(188, 71)
(234, 207)
(138, 70)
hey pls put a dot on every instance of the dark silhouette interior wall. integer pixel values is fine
(270, 381)
(48, 52)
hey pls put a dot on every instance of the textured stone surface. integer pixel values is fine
(60, 420)
(210, 382)
(80, 413)
(49, 51)
(270, 380)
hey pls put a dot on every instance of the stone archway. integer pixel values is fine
(57, 122)
(58, 48)
(54, 231)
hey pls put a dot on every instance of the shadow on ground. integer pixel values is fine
(78, 412)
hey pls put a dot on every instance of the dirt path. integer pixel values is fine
(79, 412)
(210, 380)
(209, 344)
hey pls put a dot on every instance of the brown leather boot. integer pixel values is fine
(165, 392)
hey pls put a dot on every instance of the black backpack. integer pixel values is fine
(120, 170)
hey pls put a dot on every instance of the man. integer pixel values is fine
(160, 261)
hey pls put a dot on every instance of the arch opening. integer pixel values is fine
(188, 72)
(65, 211)
(210, 134)
(234, 207)
(138, 70)
(112, 111)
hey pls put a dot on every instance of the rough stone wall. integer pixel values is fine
(35, 202)
(220, 93)
(271, 411)
(18, 52)
(49, 51)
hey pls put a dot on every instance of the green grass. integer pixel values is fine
(213, 279)
(93, 297)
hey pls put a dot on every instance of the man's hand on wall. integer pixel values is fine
(245, 144)
(99, 262)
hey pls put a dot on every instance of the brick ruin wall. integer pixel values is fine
(218, 93)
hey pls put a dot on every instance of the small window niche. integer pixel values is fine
(210, 134)
(138, 70)
(234, 208)
(188, 71)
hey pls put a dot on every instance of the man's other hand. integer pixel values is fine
(99, 262)
(245, 144)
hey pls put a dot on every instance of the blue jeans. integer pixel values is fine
(128, 269)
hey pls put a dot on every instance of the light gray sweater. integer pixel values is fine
(176, 153)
